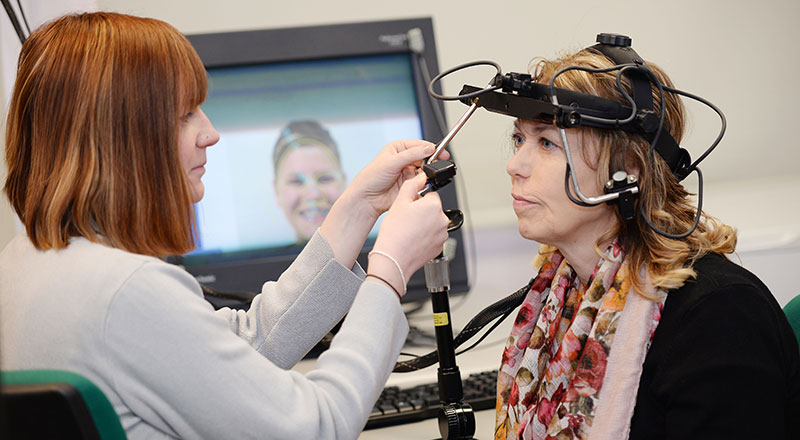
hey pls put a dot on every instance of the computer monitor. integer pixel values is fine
(303, 107)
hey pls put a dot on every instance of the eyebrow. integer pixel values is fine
(536, 129)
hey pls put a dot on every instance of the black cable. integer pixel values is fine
(621, 68)
(693, 166)
(426, 78)
(416, 44)
(723, 121)
(696, 217)
(403, 353)
(500, 309)
(468, 232)
(14, 21)
(24, 19)
(572, 198)
(554, 98)
(441, 75)
(651, 151)
(661, 116)
(488, 332)
(651, 155)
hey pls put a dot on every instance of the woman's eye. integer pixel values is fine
(187, 116)
(517, 140)
(295, 180)
(323, 179)
(547, 144)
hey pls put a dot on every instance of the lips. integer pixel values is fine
(519, 198)
(521, 202)
(314, 213)
(201, 169)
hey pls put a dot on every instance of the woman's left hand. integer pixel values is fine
(370, 194)
(379, 182)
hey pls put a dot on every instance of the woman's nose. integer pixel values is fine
(519, 165)
(311, 190)
(209, 135)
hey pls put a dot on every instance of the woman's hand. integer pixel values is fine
(370, 194)
(412, 233)
(378, 183)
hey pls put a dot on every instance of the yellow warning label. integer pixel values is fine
(440, 319)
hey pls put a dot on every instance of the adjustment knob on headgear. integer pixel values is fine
(614, 40)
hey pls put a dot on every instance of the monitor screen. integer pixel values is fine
(292, 135)
(300, 112)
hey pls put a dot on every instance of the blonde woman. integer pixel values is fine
(626, 333)
(308, 175)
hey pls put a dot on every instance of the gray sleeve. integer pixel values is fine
(296, 311)
(176, 365)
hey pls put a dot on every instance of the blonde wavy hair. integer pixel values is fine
(668, 262)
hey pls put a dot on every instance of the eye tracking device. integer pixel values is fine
(517, 95)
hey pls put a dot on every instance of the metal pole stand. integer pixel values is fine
(456, 419)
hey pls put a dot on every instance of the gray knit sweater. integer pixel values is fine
(172, 367)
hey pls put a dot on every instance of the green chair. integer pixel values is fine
(792, 311)
(39, 404)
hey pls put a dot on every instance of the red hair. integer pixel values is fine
(92, 132)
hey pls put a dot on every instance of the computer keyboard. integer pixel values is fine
(396, 406)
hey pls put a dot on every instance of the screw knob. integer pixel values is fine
(614, 39)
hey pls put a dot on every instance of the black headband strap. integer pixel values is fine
(618, 49)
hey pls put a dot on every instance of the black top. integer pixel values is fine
(724, 362)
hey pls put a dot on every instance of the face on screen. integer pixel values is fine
(308, 180)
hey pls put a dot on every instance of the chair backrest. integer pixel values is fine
(792, 311)
(40, 404)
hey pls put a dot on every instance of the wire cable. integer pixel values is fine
(723, 121)
(500, 309)
(586, 200)
(651, 151)
(651, 155)
(696, 217)
(622, 68)
(437, 110)
(441, 75)
(14, 21)
(24, 19)
(572, 198)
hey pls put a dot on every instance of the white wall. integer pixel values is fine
(741, 55)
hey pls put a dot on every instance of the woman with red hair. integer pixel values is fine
(105, 147)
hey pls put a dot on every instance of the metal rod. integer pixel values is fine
(450, 135)
(585, 199)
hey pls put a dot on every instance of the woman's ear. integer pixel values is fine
(632, 169)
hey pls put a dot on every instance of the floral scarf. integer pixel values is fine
(559, 355)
